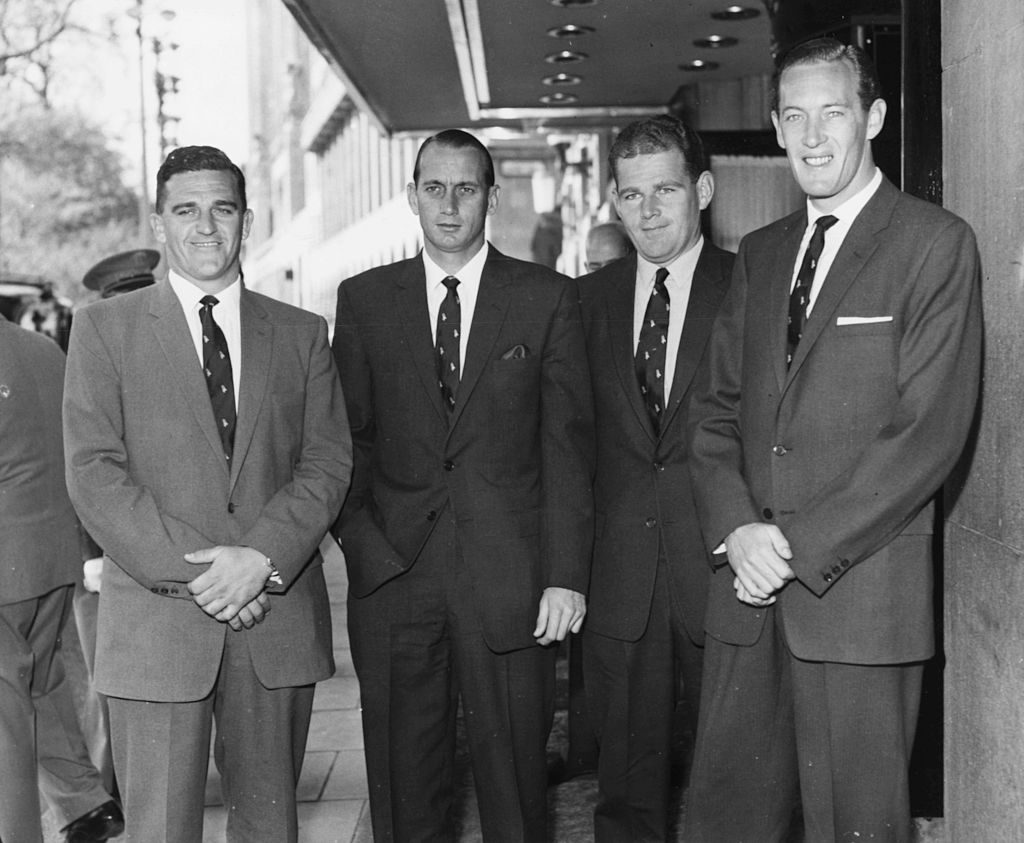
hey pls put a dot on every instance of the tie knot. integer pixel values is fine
(209, 301)
(451, 282)
(826, 222)
(659, 280)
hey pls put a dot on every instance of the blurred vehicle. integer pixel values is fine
(29, 301)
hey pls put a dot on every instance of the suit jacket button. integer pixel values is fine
(651, 522)
(845, 563)
(767, 513)
(836, 569)
(231, 508)
(448, 465)
(827, 577)
(431, 515)
(779, 450)
(659, 466)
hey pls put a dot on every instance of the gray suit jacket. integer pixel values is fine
(846, 448)
(147, 475)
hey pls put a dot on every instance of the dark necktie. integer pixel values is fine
(449, 328)
(651, 347)
(217, 368)
(801, 295)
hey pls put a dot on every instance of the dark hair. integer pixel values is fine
(456, 139)
(661, 133)
(831, 49)
(192, 159)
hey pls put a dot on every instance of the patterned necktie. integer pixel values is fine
(801, 295)
(449, 328)
(217, 368)
(651, 347)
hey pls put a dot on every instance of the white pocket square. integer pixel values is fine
(861, 320)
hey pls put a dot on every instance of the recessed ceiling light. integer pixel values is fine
(559, 98)
(567, 4)
(736, 13)
(699, 65)
(714, 42)
(565, 57)
(562, 79)
(569, 30)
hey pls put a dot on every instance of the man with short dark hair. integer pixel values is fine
(647, 317)
(844, 375)
(207, 455)
(468, 528)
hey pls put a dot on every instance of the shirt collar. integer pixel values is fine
(189, 294)
(847, 212)
(679, 270)
(469, 274)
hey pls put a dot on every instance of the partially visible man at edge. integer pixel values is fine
(844, 376)
(207, 455)
(468, 529)
(648, 318)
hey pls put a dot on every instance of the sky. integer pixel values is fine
(102, 74)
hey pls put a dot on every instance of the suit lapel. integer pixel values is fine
(411, 304)
(257, 352)
(619, 298)
(782, 264)
(172, 333)
(857, 248)
(492, 303)
(706, 293)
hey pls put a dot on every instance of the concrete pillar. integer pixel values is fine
(983, 168)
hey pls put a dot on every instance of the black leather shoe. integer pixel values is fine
(98, 825)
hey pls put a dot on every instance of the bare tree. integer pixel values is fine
(28, 30)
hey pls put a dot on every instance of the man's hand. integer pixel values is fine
(92, 572)
(759, 556)
(229, 588)
(561, 612)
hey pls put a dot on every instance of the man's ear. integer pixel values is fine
(705, 189)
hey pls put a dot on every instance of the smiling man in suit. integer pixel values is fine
(844, 375)
(468, 527)
(207, 454)
(648, 317)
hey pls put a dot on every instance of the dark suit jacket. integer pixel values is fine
(147, 474)
(514, 464)
(38, 527)
(642, 490)
(846, 449)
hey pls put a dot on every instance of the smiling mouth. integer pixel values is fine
(206, 244)
(817, 160)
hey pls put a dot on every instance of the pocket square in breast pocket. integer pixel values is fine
(517, 352)
(861, 320)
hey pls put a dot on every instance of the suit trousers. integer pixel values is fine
(632, 691)
(418, 649)
(41, 743)
(162, 750)
(778, 734)
(95, 718)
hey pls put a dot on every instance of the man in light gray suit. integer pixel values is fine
(211, 508)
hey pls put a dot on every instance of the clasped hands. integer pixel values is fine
(759, 557)
(231, 590)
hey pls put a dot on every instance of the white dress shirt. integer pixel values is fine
(845, 215)
(678, 284)
(469, 287)
(227, 314)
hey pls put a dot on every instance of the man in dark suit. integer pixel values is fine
(467, 531)
(210, 510)
(40, 738)
(844, 375)
(645, 626)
